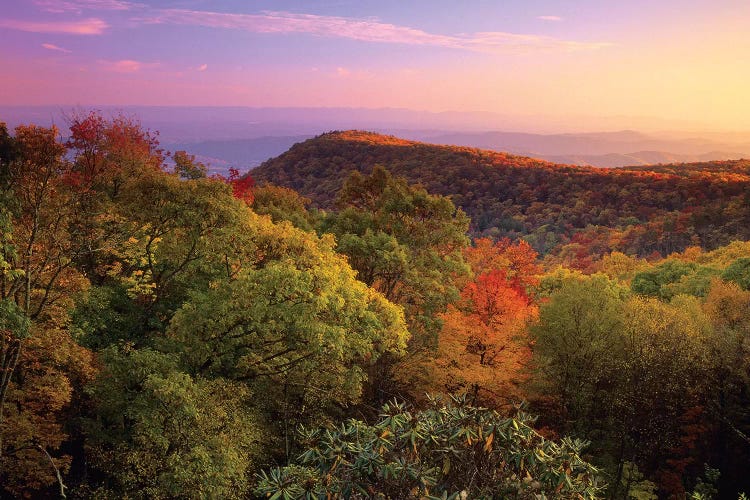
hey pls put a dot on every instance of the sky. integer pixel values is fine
(671, 63)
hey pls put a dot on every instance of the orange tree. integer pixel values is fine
(483, 348)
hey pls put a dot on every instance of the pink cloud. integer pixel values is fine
(92, 26)
(126, 65)
(363, 30)
(50, 46)
(285, 22)
(494, 41)
(203, 67)
(78, 6)
(550, 18)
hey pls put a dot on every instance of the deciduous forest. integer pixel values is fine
(367, 317)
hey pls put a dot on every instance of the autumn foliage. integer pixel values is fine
(637, 211)
(483, 349)
(166, 333)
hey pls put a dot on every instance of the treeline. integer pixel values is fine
(638, 211)
(165, 334)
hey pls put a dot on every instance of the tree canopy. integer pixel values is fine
(166, 333)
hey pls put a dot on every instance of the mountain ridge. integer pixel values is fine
(662, 208)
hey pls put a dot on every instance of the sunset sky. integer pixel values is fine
(678, 61)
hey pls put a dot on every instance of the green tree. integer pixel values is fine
(408, 245)
(221, 295)
(628, 372)
(300, 331)
(186, 167)
(283, 204)
(404, 242)
(656, 282)
(14, 328)
(170, 237)
(160, 433)
(738, 272)
(578, 330)
(658, 383)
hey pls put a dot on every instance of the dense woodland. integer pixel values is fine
(578, 212)
(417, 322)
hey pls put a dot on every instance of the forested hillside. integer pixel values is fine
(637, 211)
(165, 333)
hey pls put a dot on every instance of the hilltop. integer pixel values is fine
(639, 210)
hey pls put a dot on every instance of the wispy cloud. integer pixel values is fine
(364, 30)
(342, 71)
(203, 67)
(550, 18)
(50, 46)
(126, 65)
(78, 6)
(92, 26)
(494, 41)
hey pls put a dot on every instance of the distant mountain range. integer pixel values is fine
(616, 149)
(245, 137)
(640, 158)
(600, 149)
